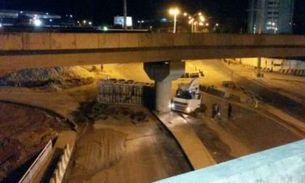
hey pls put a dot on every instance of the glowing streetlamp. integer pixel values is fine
(196, 19)
(174, 12)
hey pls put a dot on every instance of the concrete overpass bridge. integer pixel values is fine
(26, 50)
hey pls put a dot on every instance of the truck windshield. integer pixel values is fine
(184, 94)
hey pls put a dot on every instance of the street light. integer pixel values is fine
(196, 19)
(174, 12)
(125, 14)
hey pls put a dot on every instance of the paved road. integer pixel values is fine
(269, 89)
(250, 130)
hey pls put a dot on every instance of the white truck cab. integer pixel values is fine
(187, 98)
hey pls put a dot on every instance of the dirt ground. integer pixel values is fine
(24, 131)
(115, 148)
(121, 146)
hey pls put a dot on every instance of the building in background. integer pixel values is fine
(119, 21)
(35, 19)
(270, 16)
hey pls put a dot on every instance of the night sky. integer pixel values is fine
(103, 11)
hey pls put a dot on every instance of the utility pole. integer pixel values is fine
(125, 15)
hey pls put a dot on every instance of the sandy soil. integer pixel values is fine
(123, 149)
(24, 131)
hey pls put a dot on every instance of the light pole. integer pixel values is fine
(195, 20)
(174, 12)
(125, 15)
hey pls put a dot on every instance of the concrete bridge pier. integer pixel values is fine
(163, 73)
(259, 72)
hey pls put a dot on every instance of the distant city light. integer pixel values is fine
(105, 28)
(164, 20)
(174, 11)
(0, 25)
(202, 19)
(71, 16)
(84, 21)
(90, 23)
(37, 22)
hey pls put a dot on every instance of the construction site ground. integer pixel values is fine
(131, 151)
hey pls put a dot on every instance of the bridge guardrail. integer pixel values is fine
(32, 171)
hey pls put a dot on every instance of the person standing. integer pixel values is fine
(229, 111)
(214, 110)
(218, 110)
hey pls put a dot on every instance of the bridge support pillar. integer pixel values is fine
(259, 72)
(163, 73)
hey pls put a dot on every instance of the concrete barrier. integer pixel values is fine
(30, 174)
(62, 165)
(278, 165)
(216, 92)
(235, 98)
(211, 90)
(191, 75)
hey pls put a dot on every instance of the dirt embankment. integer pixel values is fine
(24, 131)
(96, 151)
(48, 78)
(101, 149)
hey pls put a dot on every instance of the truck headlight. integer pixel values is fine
(188, 110)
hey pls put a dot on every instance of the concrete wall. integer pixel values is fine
(62, 165)
(55, 41)
(24, 50)
(274, 64)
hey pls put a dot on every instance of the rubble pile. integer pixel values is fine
(62, 77)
